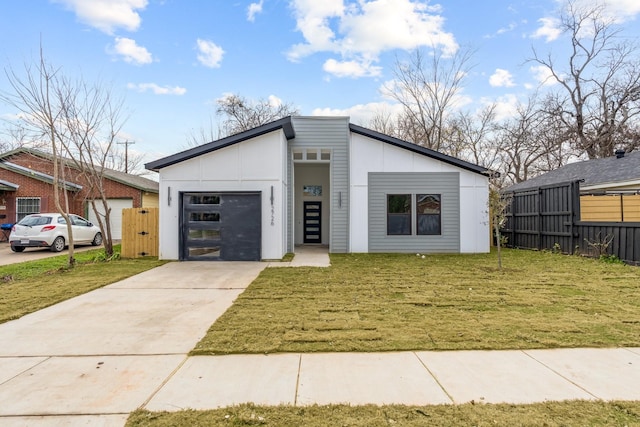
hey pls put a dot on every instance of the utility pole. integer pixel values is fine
(126, 154)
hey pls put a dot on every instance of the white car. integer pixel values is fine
(50, 230)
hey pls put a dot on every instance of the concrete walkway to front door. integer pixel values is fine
(307, 256)
(93, 359)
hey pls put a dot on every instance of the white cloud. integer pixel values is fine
(253, 10)
(543, 75)
(274, 101)
(509, 28)
(360, 31)
(131, 52)
(157, 89)
(210, 55)
(501, 78)
(107, 15)
(505, 106)
(350, 68)
(617, 10)
(549, 29)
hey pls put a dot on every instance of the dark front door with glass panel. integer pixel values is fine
(312, 222)
(221, 226)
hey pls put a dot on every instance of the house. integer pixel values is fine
(318, 180)
(609, 187)
(26, 187)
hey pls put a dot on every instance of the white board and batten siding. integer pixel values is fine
(115, 216)
(372, 156)
(254, 165)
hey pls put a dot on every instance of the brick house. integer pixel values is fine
(26, 187)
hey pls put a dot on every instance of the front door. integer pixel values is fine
(312, 222)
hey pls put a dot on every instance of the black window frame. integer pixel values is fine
(420, 231)
(393, 216)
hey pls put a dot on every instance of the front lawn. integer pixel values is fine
(30, 286)
(389, 302)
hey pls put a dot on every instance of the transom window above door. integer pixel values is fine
(311, 155)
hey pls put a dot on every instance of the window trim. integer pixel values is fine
(22, 213)
(413, 215)
(438, 215)
(408, 215)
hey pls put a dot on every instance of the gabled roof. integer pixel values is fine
(419, 149)
(131, 180)
(611, 171)
(37, 175)
(287, 126)
(284, 124)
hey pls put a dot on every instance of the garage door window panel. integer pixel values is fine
(204, 252)
(204, 200)
(203, 234)
(204, 217)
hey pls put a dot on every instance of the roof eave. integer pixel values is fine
(38, 176)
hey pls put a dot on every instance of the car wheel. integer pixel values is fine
(57, 245)
(17, 248)
(97, 239)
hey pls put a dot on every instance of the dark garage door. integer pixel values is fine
(221, 226)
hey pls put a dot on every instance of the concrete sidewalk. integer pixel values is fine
(93, 359)
(411, 378)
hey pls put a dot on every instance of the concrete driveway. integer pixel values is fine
(93, 359)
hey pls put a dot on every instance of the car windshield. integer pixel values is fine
(32, 220)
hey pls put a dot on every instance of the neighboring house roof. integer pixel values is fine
(287, 126)
(606, 172)
(131, 180)
(37, 175)
(8, 186)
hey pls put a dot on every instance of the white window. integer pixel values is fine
(27, 206)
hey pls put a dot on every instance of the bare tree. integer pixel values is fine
(242, 114)
(93, 119)
(531, 142)
(81, 121)
(203, 135)
(599, 99)
(428, 87)
(498, 205)
(40, 98)
(472, 137)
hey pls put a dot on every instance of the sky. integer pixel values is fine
(172, 59)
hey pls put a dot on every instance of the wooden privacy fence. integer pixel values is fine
(549, 218)
(140, 232)
(610, 207)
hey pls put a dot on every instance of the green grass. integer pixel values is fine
(574, 413)
(30, 286)
(390, 302)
